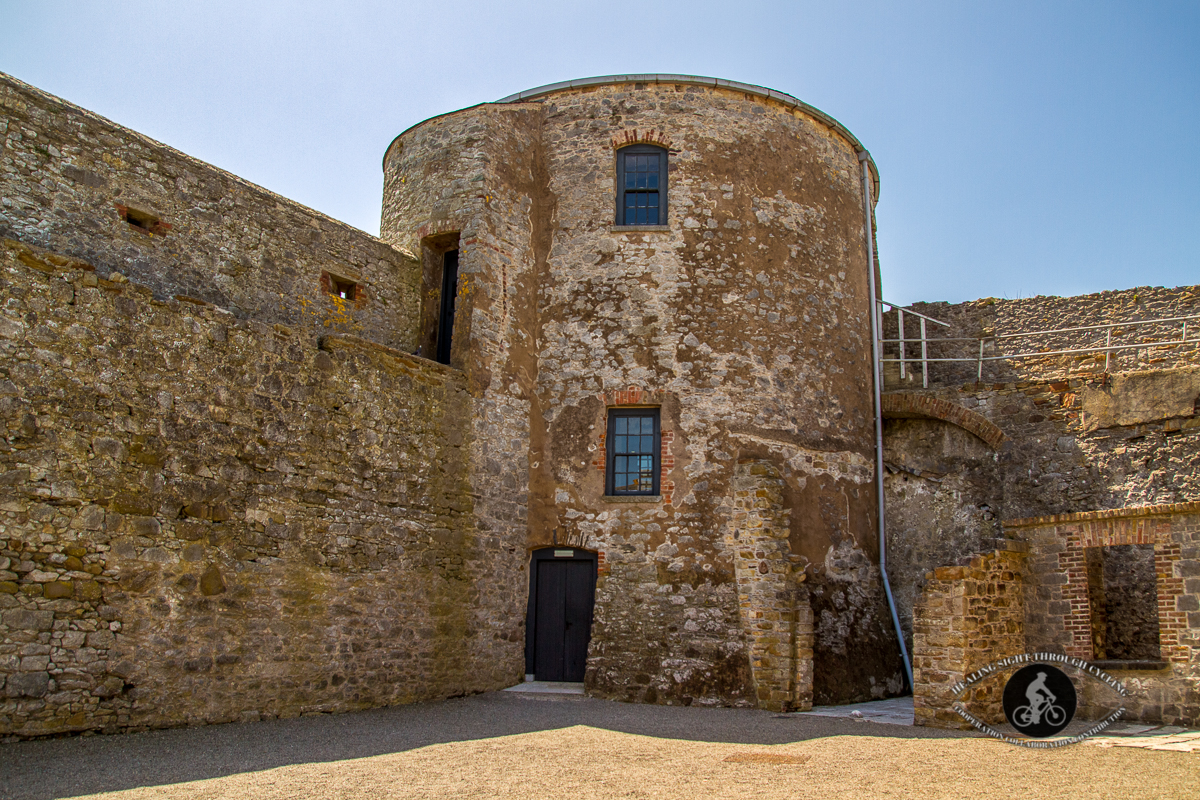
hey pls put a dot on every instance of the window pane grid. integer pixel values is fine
(641, 208)
(634, 454)
(642, 187)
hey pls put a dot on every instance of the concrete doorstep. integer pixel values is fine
(546, 687)
(894, 711)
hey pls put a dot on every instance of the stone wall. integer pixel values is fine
(75, 183)
(773, 604)
(743, 320)
(1059, 608)
(206, 519)
(965, 618)
(1072, 438)
(1123, 598)
(993, 317)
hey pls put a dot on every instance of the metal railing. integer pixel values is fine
(1108, 348)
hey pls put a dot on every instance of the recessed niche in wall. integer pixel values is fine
(143, 221)
(1123, 595)
(440, 288)
(342, 288)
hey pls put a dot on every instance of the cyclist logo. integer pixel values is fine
(1039, 700)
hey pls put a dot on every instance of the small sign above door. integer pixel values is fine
(564, 553)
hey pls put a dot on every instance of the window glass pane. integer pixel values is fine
(644, 177)
(634, 452)
(630, 210)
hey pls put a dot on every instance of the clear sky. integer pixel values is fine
(1025, 147)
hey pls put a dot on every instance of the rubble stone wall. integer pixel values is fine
(207, 519)
(967, 617)
(70, 181)
(994, 317)
(1074, 439)
(743, 320)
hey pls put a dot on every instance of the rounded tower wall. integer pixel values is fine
(741, 324)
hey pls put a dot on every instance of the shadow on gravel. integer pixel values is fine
(77, 765)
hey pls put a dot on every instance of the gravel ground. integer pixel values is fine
(505, 745)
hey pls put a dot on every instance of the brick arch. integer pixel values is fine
(642, 136)
(904, 405)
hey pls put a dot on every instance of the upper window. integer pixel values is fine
(642, 185)
(633, 451)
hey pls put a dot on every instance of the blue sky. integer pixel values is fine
(1025, 148)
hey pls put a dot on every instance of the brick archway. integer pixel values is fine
(908, 405)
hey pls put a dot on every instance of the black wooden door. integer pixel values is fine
(563, 596)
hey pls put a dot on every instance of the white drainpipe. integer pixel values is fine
(876, 370)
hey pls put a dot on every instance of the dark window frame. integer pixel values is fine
(642, 149)
(611, 454)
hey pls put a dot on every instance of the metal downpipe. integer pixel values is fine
(877, 373)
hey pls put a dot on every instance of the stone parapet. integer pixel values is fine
(82, 186)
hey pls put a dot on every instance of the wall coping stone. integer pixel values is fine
(1161, 510)
(784, 99)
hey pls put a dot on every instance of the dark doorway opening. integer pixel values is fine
(449, 295)
(439, 297)
(562, 595)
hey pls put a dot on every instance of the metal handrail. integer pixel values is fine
(1108, 348)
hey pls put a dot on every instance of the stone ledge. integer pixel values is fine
(1162, 510)
(1118, 665)
(639, 228)
(632, 498)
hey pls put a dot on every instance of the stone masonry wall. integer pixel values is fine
(992, 317)
(206, 519)
(1075, 439)
(723, 319)
(1059, 612)
(70, 180)
(773, 605)
(966, 617)
(744, 321)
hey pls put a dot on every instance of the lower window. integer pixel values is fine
(633, 446)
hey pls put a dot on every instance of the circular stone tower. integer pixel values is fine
(658, 289)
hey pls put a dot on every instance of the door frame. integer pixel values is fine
(535, 558)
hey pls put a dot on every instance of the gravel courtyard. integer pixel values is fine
(505, 745)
